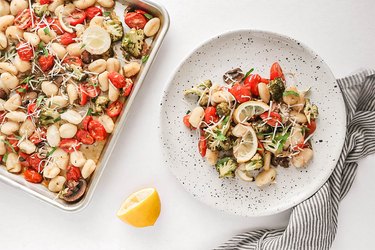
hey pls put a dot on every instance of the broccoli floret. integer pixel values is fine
(114, 27)
(203, 100)
(276, 145)
(277, 88)
(48, 116)
(77, 71)
(255, 163)
(219, 140)
(133, 42)
(40, 9)
(261, 128)
(310, 110)
(100, 103)
(222, 109)
(199, 89)
(226, 167)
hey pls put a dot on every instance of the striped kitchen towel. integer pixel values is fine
(313, 223)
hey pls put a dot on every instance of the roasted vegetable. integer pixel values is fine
(255, 163)
(40, 9)
(133, 42)
(222, 109)
(226, 167)
(114, 27)
(277, 88)
(310, 110)
(77, 71)
(101, 103)
(261, 127)
(48, 116)
(199, 89)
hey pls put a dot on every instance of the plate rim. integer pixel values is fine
(292, 203)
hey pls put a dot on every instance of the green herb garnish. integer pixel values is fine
(89, 111)
(51, 152)
(21, 90)
(107, 13)
(5, 157)
(148, 16)
(9, 145)
(145, 58)
(46, 31)
(290, 92)
(248, 73)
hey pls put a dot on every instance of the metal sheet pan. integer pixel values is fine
(42, 192)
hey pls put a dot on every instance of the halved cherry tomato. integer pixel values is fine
(23, 159)
(69, 145)
(13, 141)
(135, 20)
(22, 89)
(67, 38)
(32, 176)
(84, 137)
(73, 173)
(83, 95)
(35, 162)
(312, 127)
(46, 62)
(31, 108)
(117, 79)
(86, 121)
(38, 136)
(202, 145)
(210, 115)
(186, 121)
(252, 81)
(240, 92)
(128, 87)
(25, 51)
(271, 120)
(73, 60)
(92, 12)
(97, 131)
(55, 25)
(114, 109)
(299, 146)
(77, 17)
(90, 90)
(276, 71)
(42, 2)
(24, 19)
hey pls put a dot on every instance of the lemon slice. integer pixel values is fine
(248, 109)
(246, 147)
(141, 209)
(96, 40)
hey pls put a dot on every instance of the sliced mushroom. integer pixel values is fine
(74, 190)
(233, 75)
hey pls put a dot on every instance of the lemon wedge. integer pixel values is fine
(141, 209)
(96, 40)
(248, 109)
(246, 147)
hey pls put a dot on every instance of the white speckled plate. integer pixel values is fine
(247, 49)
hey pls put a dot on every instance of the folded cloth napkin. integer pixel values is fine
(313, 223)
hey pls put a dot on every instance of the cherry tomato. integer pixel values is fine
(299, 146)
(186, 121)
(46, 62)
(31, 108)
(69, 145)
(25, 51)
(38, 136)
(90, 90)
(202, 145)
(128, 88)
(84, 137)
(73, 173)
(35, 162)
(13, 141)
(86, 121)
(92, 12)
(23, 159)
(42, 2)
(83, 95)
(312, 127)
(24, 19)
(210, 115)
(114, 109)
(67, 38)
(240, 92)
(276, 71)
(117, 79)
(271, 120)
(55, 25)
(73, 60)
(252, 81)
(97, 131)
(77, 17)
(32, 176)
(135, 20)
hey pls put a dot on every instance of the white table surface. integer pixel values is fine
(341, 31)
